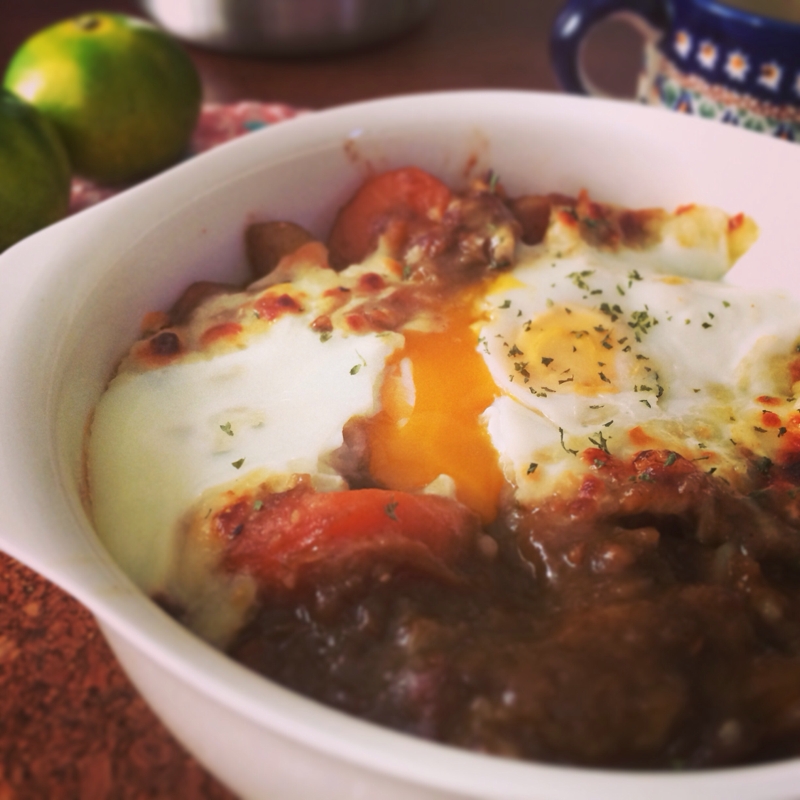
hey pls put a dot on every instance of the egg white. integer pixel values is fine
(161, 438)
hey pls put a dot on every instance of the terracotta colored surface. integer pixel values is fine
(71, 725)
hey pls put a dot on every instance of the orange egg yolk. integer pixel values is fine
(569, 351)
(434, 391)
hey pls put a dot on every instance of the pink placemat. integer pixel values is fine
(218, 123)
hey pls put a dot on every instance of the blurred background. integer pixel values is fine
(461, 44)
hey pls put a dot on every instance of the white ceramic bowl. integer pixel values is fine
(70, 304)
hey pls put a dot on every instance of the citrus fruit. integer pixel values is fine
(123, 95)
(34, 171)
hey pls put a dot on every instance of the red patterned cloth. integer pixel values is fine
(221, 123)
(218, 124)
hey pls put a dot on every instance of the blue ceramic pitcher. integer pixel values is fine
(702, 57)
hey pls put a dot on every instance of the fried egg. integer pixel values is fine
(595, 354)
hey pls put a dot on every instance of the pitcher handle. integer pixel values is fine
(578, 17)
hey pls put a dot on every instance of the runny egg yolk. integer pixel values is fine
(434, 428)
(568, 351)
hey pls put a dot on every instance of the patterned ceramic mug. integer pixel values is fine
(719, 60)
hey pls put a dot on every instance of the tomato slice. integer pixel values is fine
(276, 538)
(406, 198)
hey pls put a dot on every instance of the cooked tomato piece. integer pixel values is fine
(285, 532)
(407, 197)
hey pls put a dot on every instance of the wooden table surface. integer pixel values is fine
(71, 725)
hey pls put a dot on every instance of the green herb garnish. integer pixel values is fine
(600, 441)
(354, 370)
(561, 433)
(578, 278)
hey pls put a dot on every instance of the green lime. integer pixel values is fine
(34, 171)
(123, 94)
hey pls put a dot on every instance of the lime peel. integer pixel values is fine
(123, 95)
(34, 171)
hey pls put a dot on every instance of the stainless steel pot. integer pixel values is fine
(286, 27)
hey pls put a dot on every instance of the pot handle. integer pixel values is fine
(577, 17)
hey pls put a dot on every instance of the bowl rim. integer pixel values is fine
(99, 584)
